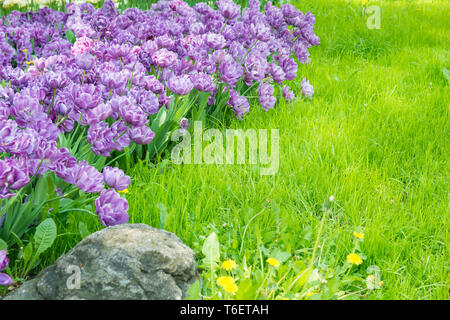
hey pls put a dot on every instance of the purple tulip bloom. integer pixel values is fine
(4, 261)
(101, 138)
(260, 31)
(184, 124)
(87, 178)
(5, 280)
(239, 104)
(56, 80)
(215, 41)
(154, 85)
(180, 85)
(288, 94)
(86, 96)
(148, 101)
(277, 73)
(203, 82)
(141, 135)
(164, 58)
(112, 209)
(228, 9)
(230, 72)
(85, 61)
(116, 178)
(133, 114)
(307, 89)
(266, 97)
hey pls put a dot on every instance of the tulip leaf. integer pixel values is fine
(193, 293)
(211, 250)
(70, 36)
(45, 236)
(3, 245)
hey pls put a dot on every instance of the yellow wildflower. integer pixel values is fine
(124, 191)
(229, 264)
(381, 283)
(227, 284)
(309, 294)
(359, 235)
(273, 262)
(353, 258)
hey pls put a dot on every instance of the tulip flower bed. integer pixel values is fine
(88, 91)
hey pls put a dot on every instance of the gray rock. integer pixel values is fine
(132, 261)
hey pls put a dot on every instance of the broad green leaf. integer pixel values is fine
(45, 236)
(71, 36)
(3, 245)
(84, 232)
(193, 293)
(27, 253)
(281, 256)
(211, 250)
(162, 214)
(246, 290)
(446, 73)
(41, 190)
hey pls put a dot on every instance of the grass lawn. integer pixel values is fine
(375, 136)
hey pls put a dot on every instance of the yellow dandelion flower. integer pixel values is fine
(381, 283)
(353, 258)
(359, 235)
(124, 191)
(227, 284)
(273, 262)
(229, 265)
(309, 294)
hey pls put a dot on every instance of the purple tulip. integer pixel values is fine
(164, 58)
(5, 280)
(239, 104)
(101, 138)
(260, 31)
(307, 89)
(85, 61)
(4, 261)
(203, 82)
(87, 178)
(215, 41)
(133, 115)
(266, 97)
(231, 71)
(180, 85)
(184, 124)
(228, 9)
(288, 94)
(116, 178)
(141, 135)
(86, 96)
(154, 85)
(56, 80)
(277, 73)
(112, 209)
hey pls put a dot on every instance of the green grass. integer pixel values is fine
(375, 136)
